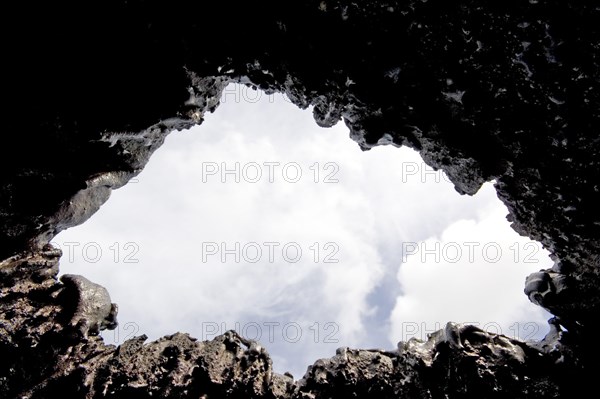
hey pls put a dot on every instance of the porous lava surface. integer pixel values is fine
(484, 90)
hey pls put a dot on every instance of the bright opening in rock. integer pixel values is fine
(260, 221)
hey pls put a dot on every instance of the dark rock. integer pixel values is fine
(93, 309)
(483, 90)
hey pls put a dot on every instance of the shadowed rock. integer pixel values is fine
(484, 91)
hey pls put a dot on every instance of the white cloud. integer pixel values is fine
(384, 198)
(473, 272)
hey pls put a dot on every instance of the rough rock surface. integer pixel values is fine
(483, 90)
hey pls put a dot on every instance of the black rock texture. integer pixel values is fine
(485, 90)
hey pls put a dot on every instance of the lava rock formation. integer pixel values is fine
(483, 90)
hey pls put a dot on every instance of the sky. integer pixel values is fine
(260, 221)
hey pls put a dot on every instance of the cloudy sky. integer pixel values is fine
(258, 220)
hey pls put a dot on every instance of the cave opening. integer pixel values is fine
(260, 221)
